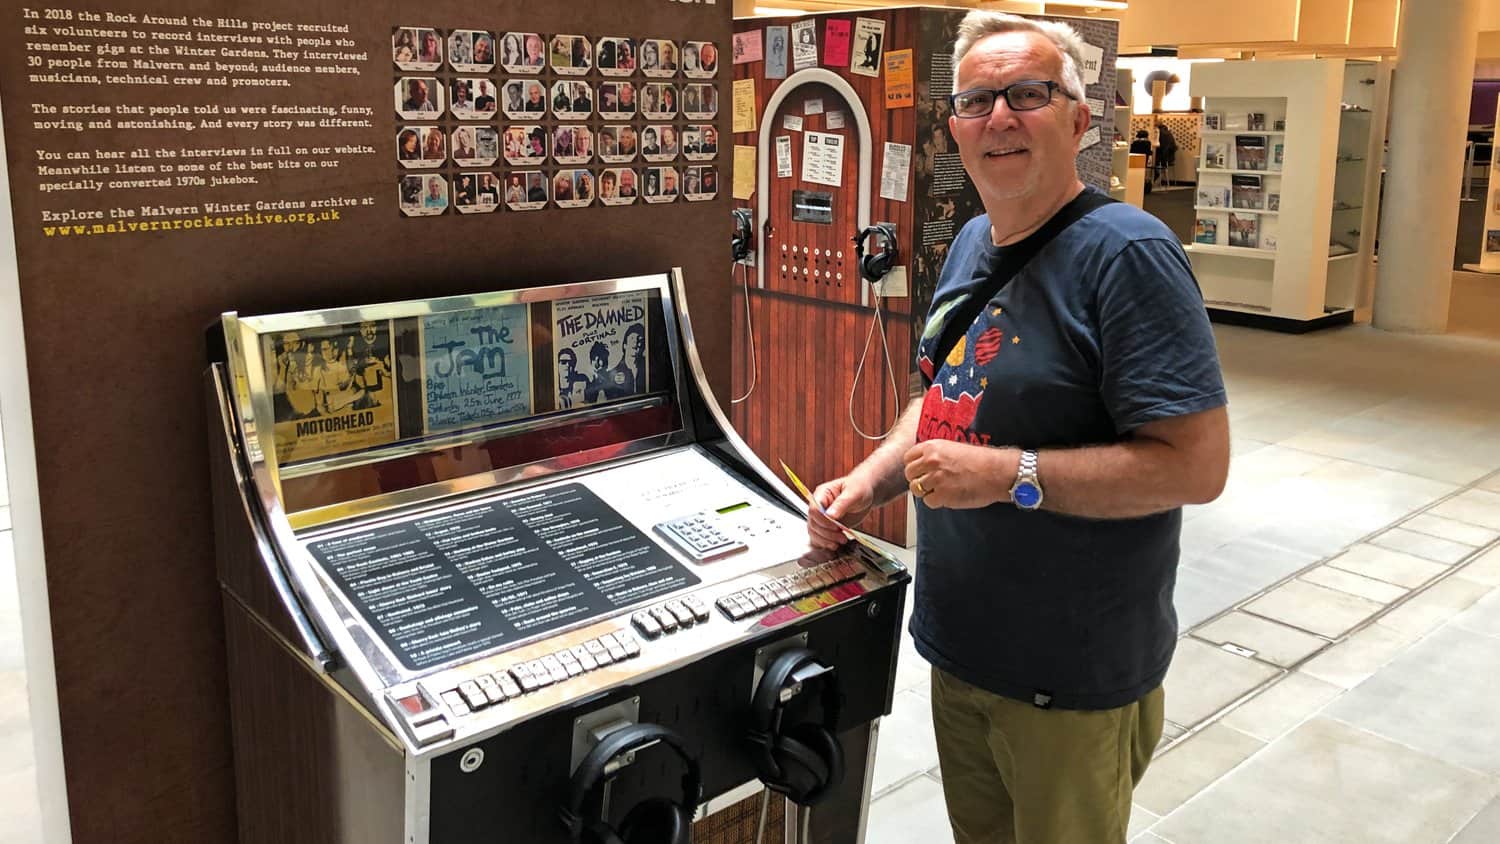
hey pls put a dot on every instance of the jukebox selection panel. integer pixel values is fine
(444, 585)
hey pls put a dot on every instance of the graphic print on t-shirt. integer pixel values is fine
(953, 400)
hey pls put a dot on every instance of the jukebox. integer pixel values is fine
(496, 568)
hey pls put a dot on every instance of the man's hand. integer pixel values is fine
(944, 473)
(847, 499)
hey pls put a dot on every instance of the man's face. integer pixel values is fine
(627, 95)
(670, 181)
(418, 90)
(536, 93)
(600, 362)
(566, 365)
(632, 344)
(367, 331)
(1015, 154)
(669, 137)
(627, 180)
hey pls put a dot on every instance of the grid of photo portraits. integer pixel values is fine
(564, 110)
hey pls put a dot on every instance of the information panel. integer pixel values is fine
(452, 585)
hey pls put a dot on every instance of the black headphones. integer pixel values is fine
(874, 267)
(804, 761)
(656, 820)
(744, 235)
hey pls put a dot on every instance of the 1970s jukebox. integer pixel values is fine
(496, 569)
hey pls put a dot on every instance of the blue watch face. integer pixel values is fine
(1026, 494)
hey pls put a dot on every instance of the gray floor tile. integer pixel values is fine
(1149, 837)
(1271, 642)
(1484, 569)
(913, 812)
(1192, 765)
(1330, 783)
(1483, 829)
(1201, 596)
(12, 656)
(1204, 679)
(1355, 584)
(1483, 617)
(1433, 698)
(1434, 605)
(1475, 506)
(1316, 609)
(1450, 529)
(1140, 821)
(1251, 564)
(1390, 566)
(1352, 661)
(20, 806)
(907, 746)
(1315, 538)
(1433, 548)
(1290, 701)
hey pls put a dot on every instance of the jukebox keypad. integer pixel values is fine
(787, 589)
(523, 677)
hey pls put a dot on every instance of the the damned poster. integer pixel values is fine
(601, 348)
(477, 367)
(332, 389)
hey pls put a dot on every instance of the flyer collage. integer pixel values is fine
(526, 121)
(340, 389)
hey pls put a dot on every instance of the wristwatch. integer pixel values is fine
(1026, 492)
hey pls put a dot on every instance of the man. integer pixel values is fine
(627, 184)
(627, 97)
(1092, 374)
(417, 97)
(599, 387)
(570, 382)
(648, 142)
(668, 182)
(534, 101)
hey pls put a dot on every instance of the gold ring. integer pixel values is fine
(920, 492)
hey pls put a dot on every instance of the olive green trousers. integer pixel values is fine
(1017, 774)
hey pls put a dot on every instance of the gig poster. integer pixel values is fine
(601, 348)
(331, 389)
(476, 367)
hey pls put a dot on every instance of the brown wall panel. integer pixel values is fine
(114, 328)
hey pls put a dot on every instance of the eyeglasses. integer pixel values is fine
(1027, 95)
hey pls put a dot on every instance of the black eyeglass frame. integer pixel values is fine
(999, 93)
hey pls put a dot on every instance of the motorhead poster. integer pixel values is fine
(601, 348)
(171, 160)
(332, 389)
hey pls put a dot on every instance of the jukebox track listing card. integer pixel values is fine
(331, 389)
(454, 584)
(476, 367)
(601, 348)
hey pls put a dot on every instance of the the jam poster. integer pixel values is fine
(476, 367)
(601, 348)
(332, 389)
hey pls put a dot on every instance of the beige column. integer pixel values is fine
(1429, 118)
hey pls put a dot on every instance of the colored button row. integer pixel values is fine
(670, 617)
(488, 690)
(787, 589)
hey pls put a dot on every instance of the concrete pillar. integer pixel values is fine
(1429, 117)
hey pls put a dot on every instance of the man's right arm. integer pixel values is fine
(878, 479)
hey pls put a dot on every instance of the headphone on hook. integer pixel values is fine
(804, 761)
(656, 820)
(744, 235)
(875, 267)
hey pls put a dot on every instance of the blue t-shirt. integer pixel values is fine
(1103, 331)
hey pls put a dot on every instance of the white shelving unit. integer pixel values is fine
(1271, 201)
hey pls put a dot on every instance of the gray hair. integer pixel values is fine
(981, 23)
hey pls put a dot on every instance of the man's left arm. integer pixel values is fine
(1159, 380)
(1164, 465)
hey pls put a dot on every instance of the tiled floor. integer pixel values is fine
(1340, 606)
